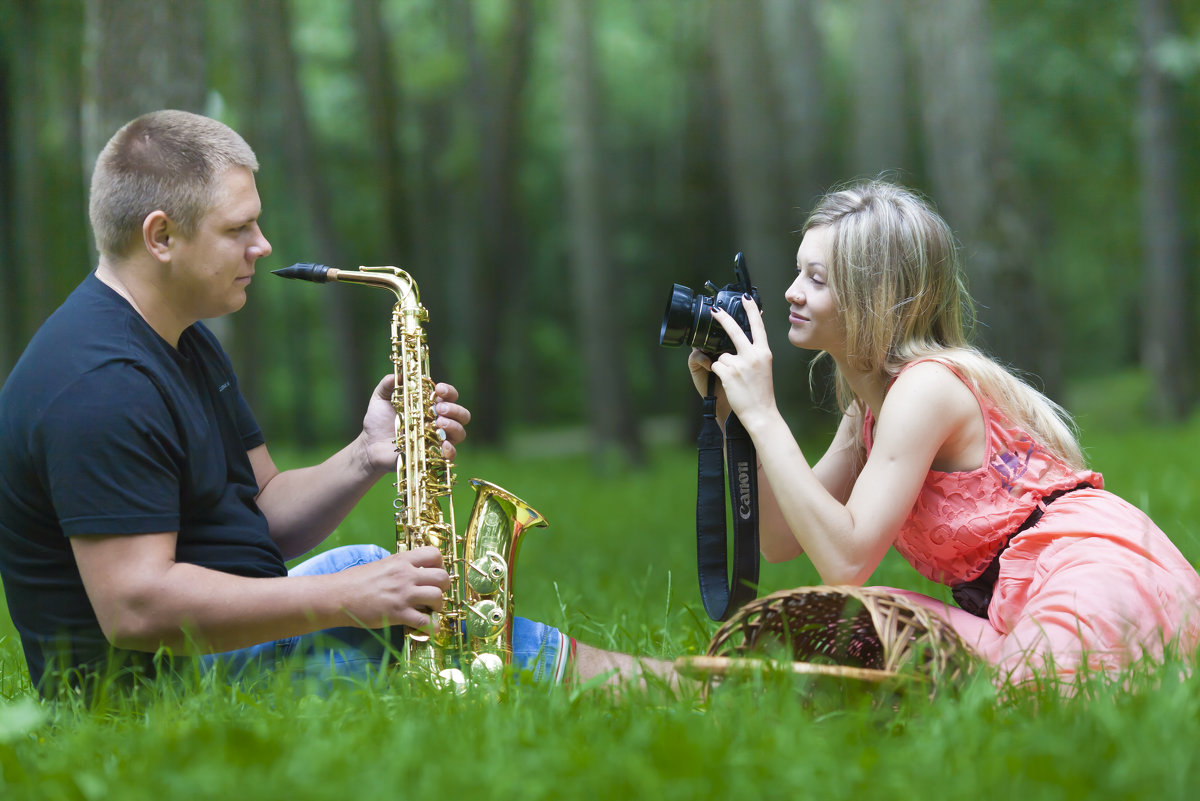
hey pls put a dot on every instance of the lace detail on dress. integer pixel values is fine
(961, 520)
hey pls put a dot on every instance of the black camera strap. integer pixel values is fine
(720, 598)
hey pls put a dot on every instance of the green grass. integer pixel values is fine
(616, 569)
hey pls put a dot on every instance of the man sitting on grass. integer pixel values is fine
(139, 507)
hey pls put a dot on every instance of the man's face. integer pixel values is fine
(212, 268)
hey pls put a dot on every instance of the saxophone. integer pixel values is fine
(474, 640)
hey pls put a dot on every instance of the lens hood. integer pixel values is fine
(677, 318)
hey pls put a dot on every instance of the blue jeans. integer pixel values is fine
(347, 652)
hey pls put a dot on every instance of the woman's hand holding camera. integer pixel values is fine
(745, 375)
(700, 366)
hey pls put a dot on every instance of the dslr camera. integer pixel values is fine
(688, 318)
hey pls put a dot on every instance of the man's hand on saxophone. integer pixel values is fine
(400, 589)
(379, 424)
(452, 417)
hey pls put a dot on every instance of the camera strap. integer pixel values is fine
(721, 597)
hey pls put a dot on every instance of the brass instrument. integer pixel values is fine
(475, 636)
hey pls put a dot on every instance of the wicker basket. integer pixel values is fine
(849, 632)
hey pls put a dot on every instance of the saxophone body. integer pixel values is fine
(474, 639)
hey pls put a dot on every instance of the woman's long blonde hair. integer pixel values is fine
(895, 275)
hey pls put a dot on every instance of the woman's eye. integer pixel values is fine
(818, 280)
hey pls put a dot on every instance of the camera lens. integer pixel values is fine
(677, 319)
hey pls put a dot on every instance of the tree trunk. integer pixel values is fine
(1166, 334)
(699, 225)
(10, 338)
(131, 68)
(43, 228)
(19, 187)
(798, 164)
(766, 197)
(974, 184)
(796, 51)
(252, 329)
(31, 285)
(342, 304)
(752, 140)
(593, 269)
(382, 94)
(74, 247)
(495, 109)
(880, 123)
(139, 57)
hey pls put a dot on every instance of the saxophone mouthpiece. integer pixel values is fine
(305, 271)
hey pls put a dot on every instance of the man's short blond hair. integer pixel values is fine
(165, 160)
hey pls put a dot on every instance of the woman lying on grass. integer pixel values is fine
(974, 476)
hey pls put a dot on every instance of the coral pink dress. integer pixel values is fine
(1093, 579)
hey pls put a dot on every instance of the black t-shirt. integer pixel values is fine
(107, 429)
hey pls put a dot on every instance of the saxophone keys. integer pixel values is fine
(486, 619)
(486, 667)
(452, 679)
(487, 573)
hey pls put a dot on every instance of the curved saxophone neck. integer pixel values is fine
(393, 278)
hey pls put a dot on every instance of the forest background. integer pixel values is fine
(546, 170)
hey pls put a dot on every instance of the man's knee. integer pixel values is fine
(338, 559)
(542, 649)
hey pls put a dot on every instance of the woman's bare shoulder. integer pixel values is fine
(931, 401)
(929, 395)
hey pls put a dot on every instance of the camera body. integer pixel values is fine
(688, 316)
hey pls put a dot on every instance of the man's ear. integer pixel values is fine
(158, 231)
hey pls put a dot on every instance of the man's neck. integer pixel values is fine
(138, 283)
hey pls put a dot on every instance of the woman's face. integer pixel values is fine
(813, 315)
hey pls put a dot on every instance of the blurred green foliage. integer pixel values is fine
(1066, 77)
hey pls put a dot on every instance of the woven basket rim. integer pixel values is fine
(880, 606)
(704, 666)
